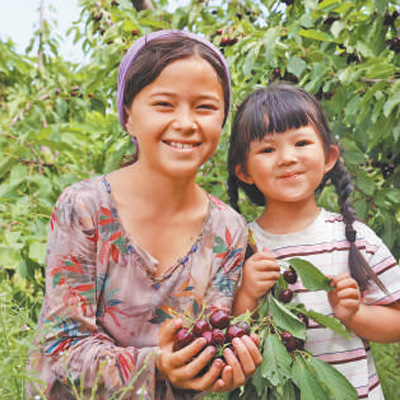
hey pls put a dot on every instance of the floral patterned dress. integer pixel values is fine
(103, 306)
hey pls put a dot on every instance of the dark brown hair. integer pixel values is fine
(276, 109)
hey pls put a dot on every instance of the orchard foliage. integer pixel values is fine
(59, 125)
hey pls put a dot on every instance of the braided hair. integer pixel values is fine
(359, 268)
(276, 109)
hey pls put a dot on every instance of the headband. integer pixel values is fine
(137, 47)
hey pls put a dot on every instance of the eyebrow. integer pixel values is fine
(173, 94)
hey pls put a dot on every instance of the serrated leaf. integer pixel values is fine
(285, 319)
(329, 322)
(337, 385)
(276, 365)
(311, 277)
(305, 378)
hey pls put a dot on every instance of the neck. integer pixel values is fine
(160, 192)
(281, 218)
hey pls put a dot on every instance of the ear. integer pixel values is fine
(242, 175)
(128, 125)
(331, 157)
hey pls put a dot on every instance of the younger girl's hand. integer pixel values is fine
(260, 273)
(345, 300)
(182, 367)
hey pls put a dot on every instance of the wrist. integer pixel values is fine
(248, 294)
(160, 376)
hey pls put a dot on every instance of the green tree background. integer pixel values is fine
(59, 125)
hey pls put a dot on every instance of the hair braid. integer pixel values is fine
(359, 268)
(233, 192)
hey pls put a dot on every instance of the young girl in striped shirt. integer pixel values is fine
(281, 153)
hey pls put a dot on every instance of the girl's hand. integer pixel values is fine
(345, 300)
(182, 367)
(260, 273)
(240, 366)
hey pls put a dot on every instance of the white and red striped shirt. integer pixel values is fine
(324, 244)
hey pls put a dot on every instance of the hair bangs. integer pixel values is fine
(283, 112)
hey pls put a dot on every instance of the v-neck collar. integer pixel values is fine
(148, 261)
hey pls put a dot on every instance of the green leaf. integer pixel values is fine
(392, 102)
(329, 322)
(316, 35)
(311, 277)
(305, 378)
(285, 319)
(338, 386)
(276, 365)
(296, 66)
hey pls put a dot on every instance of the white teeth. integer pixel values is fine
(179, 145)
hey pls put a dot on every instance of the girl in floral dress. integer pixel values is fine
(129, 250)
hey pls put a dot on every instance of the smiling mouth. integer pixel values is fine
(293, 175)
(180, 145)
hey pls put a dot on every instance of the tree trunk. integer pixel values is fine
(143, 4)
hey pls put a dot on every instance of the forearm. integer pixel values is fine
(377, 323)
(96, 364)
(243, 302)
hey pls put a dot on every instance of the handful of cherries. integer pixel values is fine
(215, 327)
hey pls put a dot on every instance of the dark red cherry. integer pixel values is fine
(201, 326)
(182, 338)
(290, 276)
(218, 337)
(299, 344)
(219, 319)
(208, 336)
(288, 340)
(245, 326)
(303, 318)
(234, 331)
(287, 296)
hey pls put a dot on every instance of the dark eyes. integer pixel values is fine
(267, 150)
(207, 107)
(201, 106)
(302, 143)
(163, 104)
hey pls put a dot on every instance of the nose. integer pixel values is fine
(185, 120)
(287, 155)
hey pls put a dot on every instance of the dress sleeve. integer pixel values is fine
(71, 352)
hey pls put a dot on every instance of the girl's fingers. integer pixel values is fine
(253, 349)
(255, 338)
(247, 363)
(206, 381)
(182, 356)
(262, 264)
(187, 372)
(167, 332)
(348, 293)
(237, 372)
(225, 382)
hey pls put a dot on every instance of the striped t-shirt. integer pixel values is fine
(324, 244)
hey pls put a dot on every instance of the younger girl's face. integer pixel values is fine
(288, 167)
(177, 119)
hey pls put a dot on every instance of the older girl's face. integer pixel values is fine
(288, 166)
(177, 119)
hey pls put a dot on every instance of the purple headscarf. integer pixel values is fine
(135, 49)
